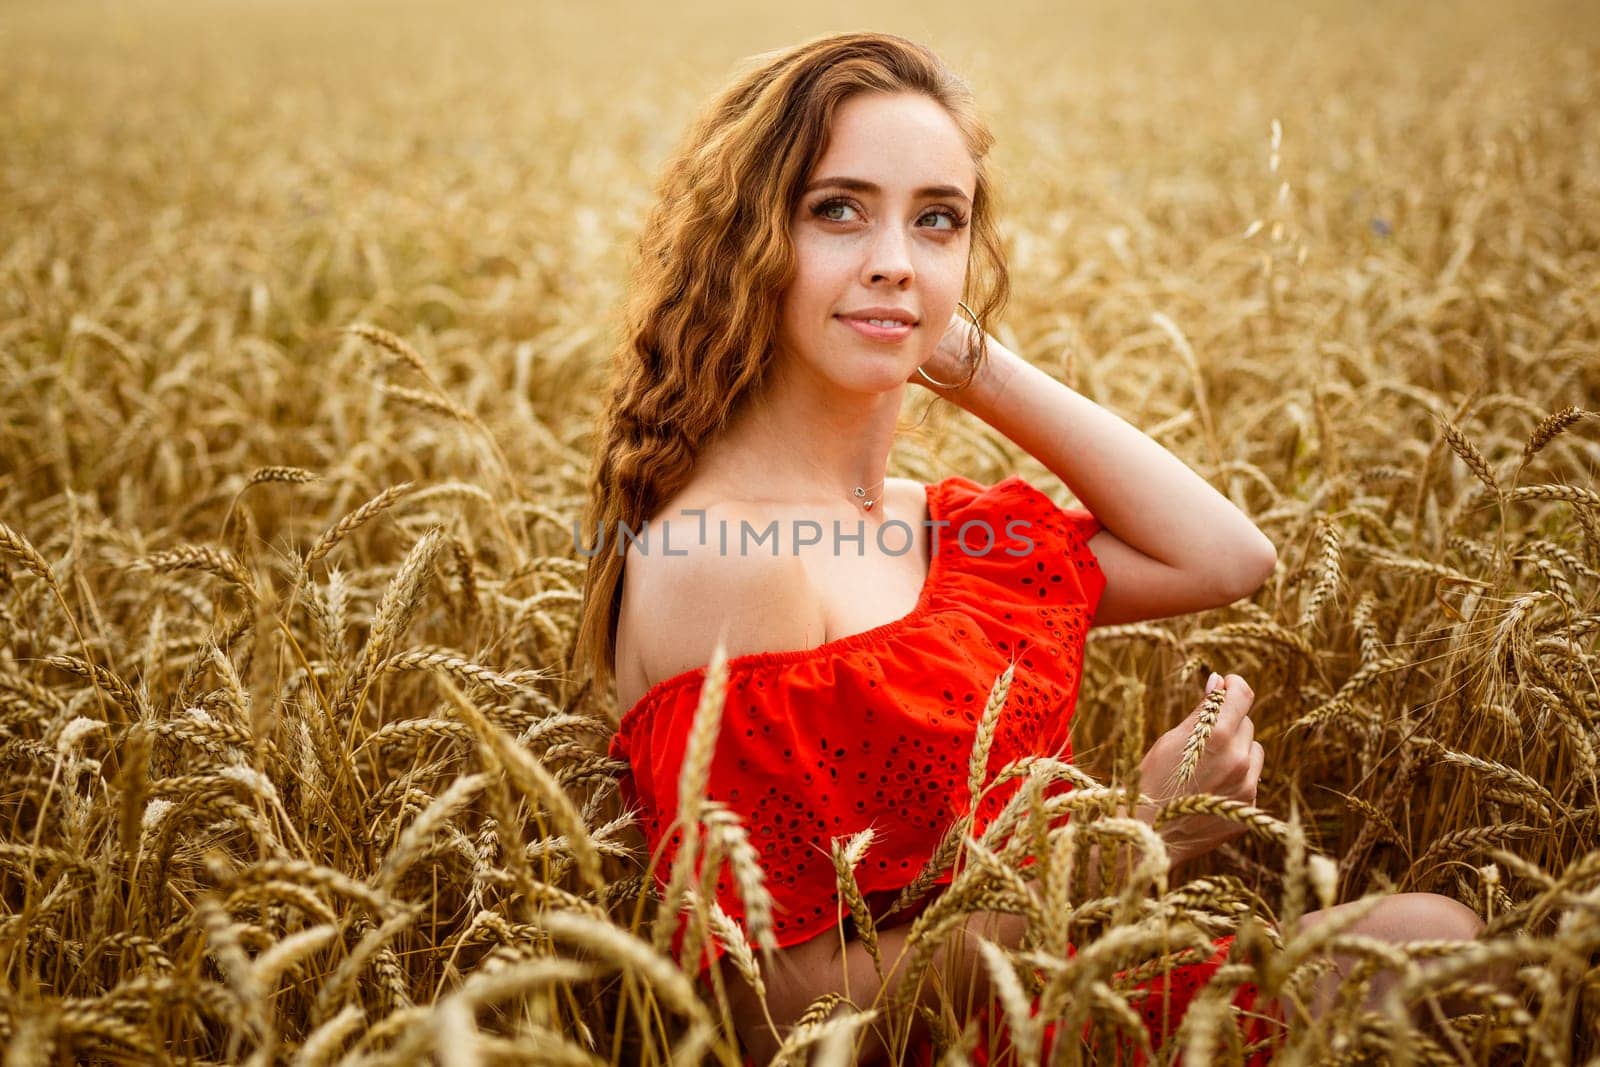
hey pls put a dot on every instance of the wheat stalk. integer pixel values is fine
(217, 561)
(392, 344)
(1469, 839)
(846, 858)
(1026, 1030)
(983, 740)
(530, 777)
(19, 548)
(632, 956)
(198, 837)
(1572, 494)
(704, 731)
(396, 609)
(1194, 746)
(1329, 573)
(355, 520)
(725, 829)
(1551, 427)
(1463, 447)
(457, 666)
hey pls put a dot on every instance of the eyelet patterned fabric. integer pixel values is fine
(875, 728)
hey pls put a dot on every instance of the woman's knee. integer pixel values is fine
(1406, 917)
(1427, 917)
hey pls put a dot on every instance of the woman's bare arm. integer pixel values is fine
(1172, 544)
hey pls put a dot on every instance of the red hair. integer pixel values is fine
(715, 259)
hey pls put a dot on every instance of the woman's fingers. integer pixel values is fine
(1233, 758)
(1232, 682)
(1233, 724)
(1241, 752)
(1237, 705)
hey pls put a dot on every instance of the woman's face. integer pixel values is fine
(881, 231)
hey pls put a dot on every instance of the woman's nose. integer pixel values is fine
(889, 258)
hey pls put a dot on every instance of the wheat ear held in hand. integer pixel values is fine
(1205, 722)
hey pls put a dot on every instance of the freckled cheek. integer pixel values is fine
(818, 280)
(945, 275)
(823, 262)
(822, 266)
(810, 298)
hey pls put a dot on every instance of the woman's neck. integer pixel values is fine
(802, 438)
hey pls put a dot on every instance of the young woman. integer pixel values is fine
(808, 259)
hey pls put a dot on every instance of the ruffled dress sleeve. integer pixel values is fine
(877, 728)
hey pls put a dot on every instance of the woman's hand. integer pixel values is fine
(1229, 767)
(949, 360)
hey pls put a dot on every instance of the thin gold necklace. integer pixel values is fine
(861, 492)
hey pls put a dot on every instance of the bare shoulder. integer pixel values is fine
(682, 591)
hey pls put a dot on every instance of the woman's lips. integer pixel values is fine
(887, 334)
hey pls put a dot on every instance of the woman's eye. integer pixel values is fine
(952, 220)
(827, 209)
(837, 211)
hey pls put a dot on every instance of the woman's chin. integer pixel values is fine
(874, 384)
(876, 376)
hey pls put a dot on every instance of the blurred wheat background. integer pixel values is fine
(303, 327)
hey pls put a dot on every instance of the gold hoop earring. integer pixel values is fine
(942, 385)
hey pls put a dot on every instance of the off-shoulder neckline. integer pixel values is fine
(930, 581)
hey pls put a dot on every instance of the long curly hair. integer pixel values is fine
(714, 260)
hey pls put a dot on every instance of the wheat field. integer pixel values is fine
(304, 326)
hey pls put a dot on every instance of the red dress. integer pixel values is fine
(875, 728)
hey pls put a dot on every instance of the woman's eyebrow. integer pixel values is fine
(857, 185)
